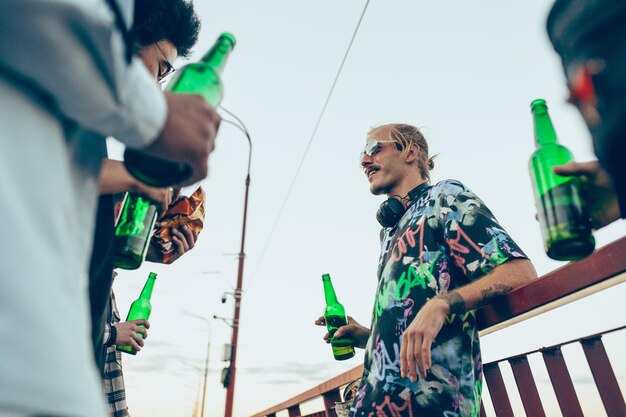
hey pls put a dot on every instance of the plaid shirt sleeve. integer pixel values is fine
(113, 383)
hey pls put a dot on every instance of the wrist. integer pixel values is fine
(452, 303)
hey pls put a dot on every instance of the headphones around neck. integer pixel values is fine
(392, 209)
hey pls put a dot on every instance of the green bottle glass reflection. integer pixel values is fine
(335, 317)
(563, 218)
(133, 231)
(203, 78)
(140, 309)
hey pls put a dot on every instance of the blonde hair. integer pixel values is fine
(404, 135)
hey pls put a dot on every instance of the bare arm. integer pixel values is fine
(114, 178)
(419, 335)
(500, 281)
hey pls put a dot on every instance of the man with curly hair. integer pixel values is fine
(163, 30)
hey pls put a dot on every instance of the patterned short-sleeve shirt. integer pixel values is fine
(446, 239)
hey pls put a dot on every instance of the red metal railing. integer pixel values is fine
(605, 268)
(560, 379)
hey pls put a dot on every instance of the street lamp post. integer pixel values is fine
(196, 404)
(230, 389)
(206, 362)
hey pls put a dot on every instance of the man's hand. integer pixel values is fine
(162, 196)
(418, 338)
(127, 333)
(183, 238)
(188, 135)
(114, 178)
(354, 331)
(596, 189)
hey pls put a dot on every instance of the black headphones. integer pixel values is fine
(392, 209)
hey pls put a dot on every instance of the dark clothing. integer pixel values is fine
(100, 276)
(590, 38)
(446, 239)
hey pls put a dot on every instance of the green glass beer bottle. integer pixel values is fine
(140, 309)
(203, 78)
(133, 231)
(564, 221)
(335, 317)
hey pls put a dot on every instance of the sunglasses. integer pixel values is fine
(372, 147)
(169, 68)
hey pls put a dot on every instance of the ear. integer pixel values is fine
(412, 152)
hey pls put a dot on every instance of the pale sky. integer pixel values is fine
(465, 72)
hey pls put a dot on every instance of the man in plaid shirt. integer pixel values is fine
(113, 381)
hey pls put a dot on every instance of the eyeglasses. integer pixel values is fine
(169, 68)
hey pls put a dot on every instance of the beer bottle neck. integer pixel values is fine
(329, 291)
(218, 55)
(147, 288)
(544, 130)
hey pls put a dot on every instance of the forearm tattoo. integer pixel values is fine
(493, 292)
(455, 301)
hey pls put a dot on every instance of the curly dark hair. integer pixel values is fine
(173, 20)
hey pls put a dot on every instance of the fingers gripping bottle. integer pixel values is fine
(140, 309)
(563, 217)
(335, 317)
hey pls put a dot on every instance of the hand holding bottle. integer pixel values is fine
(354, 331)
(596, 189)
(139, 314)
(128, 333)
(563, 216)
(162, 196)
(188, 135)
(186, 162)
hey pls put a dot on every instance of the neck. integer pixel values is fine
(403, 187)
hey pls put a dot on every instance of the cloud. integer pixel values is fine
(282, 381)
(293, 372)
(156, 343)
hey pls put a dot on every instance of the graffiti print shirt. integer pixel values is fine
(447, 238)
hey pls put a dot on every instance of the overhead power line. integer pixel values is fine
(308, 146)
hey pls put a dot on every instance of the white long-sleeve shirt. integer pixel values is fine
(72, 53)
(64, 85)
